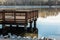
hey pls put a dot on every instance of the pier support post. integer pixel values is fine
(31, 30)
(34, 23)
(3, 30)
(25, 28)
(0, 31)
(11, 28)
(35, 30)
(10, 25)
(16, 25)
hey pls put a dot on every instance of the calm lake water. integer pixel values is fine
(49, 26)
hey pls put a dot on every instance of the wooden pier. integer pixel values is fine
(11, 19)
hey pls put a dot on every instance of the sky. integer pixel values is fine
(49, 26)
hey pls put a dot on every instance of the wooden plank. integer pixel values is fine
(32, 15)
(1, 17)
(9, 16)
(28, 15)
(35, 14)
(20, 17)
(20, 14)
(15, 17)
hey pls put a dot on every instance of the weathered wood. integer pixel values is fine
(15, 17)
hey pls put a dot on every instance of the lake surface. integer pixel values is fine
(49, 26)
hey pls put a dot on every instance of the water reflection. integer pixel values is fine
(48, 12)
(49, 24)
